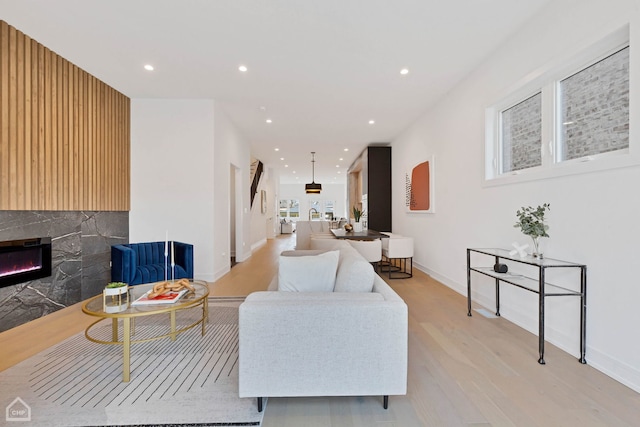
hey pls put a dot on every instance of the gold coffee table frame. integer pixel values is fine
(94, 307)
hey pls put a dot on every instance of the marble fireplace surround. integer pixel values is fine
(81, 255)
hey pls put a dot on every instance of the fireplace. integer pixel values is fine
(24, 260)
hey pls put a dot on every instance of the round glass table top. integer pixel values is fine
(96, 305)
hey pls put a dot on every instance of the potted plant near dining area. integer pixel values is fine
(357, 214)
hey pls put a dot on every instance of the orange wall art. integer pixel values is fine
(419, 188)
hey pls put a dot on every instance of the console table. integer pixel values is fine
(536, 285)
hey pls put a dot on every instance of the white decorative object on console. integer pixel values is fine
(519, 249)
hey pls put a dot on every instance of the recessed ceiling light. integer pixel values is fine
(337, 166)
(276, 149)
(269, 121)
(286, 166)
(371, 122)
(243, 68)
(341, 159)
(281, 158)
(294, 172)
(338, 171)
(404, 71)
(148, 67)
(346, 149)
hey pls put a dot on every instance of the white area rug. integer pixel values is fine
(190, 381)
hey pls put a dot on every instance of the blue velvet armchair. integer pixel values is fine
(137, 263)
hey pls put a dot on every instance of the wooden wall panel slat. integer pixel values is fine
(74, 149)
(28, 177)
(35, 150)
(20, 143)
(69, 139)
(4, 115)
(46, 126)
(42, 166)
(107, 143)
(13, 129)
(65, 135)
(92, 145)
(60, 85)
(52, 125)
(101, 153)
(64, 154)
(85, 149)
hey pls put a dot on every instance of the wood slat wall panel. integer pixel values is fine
(4, 117)
(64, 136)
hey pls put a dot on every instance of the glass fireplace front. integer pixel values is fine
(24, 260)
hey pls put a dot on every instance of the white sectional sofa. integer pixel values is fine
(305, 230)
(346, 340)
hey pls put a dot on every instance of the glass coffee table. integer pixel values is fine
(128, 313)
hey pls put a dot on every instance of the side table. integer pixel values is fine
(536, 285)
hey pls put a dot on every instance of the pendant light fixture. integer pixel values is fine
(313, 188)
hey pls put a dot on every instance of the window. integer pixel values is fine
(329, 211)
(521, 131)
(594, 104)
(289, 209)
(568, 116)
(315, 209)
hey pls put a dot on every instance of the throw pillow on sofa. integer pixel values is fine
(354, 273)
(316, 273)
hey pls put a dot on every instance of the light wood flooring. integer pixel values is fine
(462, 371)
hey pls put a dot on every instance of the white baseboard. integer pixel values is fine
(621, 372)
(614, 368)
(245, 256)
(207, 277)
(221, 272)
(258, 244)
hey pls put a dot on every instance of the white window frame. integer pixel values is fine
(288, 210)
(548, 82)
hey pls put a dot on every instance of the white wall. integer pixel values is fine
(262, 224)
(172, 181)
(336, 192)
(593, 217)
(181, 156)
(231, 148)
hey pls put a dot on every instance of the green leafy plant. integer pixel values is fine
(531, 221)
(116, 285)
(357, 213)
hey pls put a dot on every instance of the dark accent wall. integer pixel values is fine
(370, 175)
(378, 182)
(81, 251)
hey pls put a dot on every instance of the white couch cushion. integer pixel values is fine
(327, 244)
(354, 273)
(315, 273)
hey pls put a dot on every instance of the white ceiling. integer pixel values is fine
(321, 68)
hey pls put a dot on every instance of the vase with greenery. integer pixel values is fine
(113, 285)
(531, 223)
(119, 296)
(357, 214)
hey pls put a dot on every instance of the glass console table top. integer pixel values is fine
(529, 259)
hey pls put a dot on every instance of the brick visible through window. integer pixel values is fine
(594, 105)
(521, 134)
